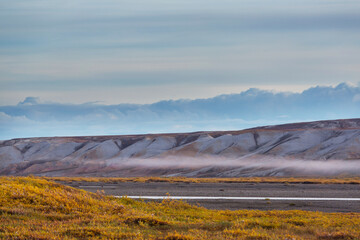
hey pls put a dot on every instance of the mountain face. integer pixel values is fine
(315, 148)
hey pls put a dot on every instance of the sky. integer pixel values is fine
(91, 67)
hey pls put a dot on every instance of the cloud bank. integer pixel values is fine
(251, 108)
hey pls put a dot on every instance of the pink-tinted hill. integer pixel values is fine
(311, 148)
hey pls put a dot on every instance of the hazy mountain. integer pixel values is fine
(312, 148)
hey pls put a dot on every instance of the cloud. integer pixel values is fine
(249, 108)
(54, 45)
(118, 51)
(29, 101)
(356, 98)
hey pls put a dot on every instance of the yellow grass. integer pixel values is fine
(34, 208)
(339, 180)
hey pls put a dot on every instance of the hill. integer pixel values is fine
(312, 148)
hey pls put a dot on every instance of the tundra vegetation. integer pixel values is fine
(294, 180)
(36, 208)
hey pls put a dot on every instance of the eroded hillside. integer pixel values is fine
(292, 149)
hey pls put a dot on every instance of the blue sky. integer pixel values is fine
(141, 52)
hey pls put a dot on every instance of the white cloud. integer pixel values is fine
(250, 108)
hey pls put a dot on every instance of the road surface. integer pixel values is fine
(266, 191)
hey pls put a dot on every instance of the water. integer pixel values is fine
(241, 198)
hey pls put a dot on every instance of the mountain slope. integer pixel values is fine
(313, 148)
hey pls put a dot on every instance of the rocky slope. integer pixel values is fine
(313, 148)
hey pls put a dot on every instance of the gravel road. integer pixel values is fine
(240, 190)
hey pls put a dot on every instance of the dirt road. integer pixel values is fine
(241, 190)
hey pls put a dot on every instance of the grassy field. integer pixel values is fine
(339, 180)
(35, 208)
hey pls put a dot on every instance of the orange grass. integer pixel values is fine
(339, 180)
(34, 208)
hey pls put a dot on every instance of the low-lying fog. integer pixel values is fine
(249, 166)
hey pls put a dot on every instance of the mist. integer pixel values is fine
(207, 166)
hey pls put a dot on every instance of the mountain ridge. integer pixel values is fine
(262, 151)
